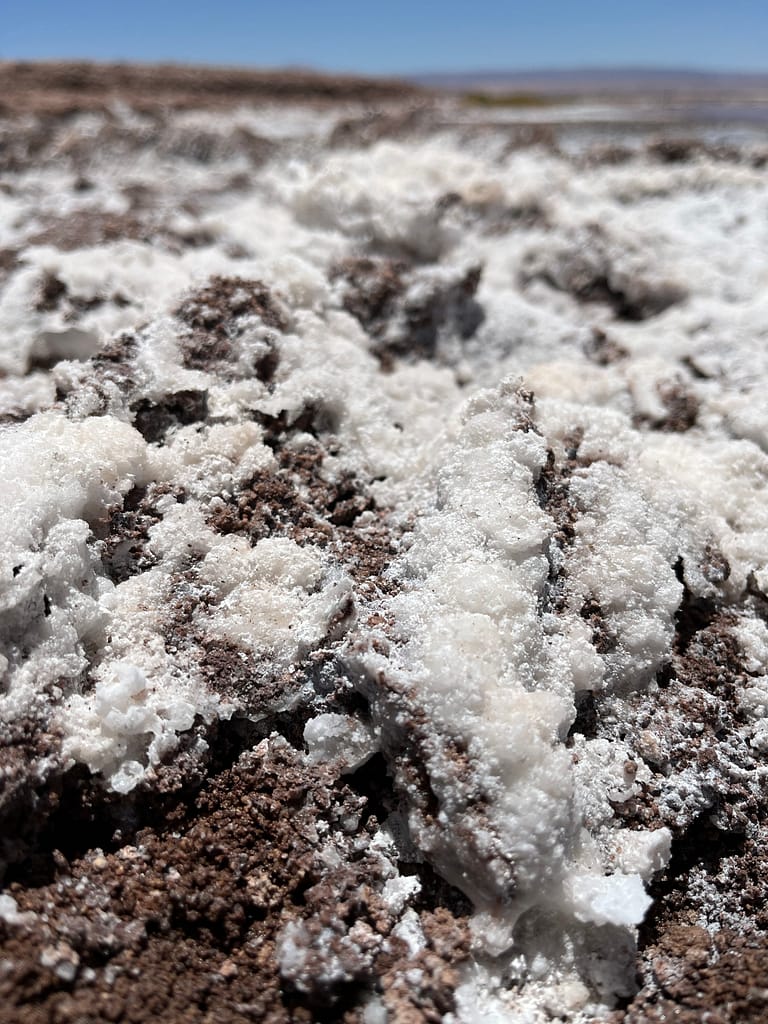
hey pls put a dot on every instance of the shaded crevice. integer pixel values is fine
(330, 1007)
(759, 599)
(694, 614)
(153, 420)
(553, 493)
(124, 535)
(84, 814)
(374, 782)
(404, 309)
(585, 268)
(701, 845)
(604, 639)
(587, 719)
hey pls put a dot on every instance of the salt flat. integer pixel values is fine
(385, 566)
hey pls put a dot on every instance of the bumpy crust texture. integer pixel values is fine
(384, 579)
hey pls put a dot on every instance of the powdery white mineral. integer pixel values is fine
(421, 456)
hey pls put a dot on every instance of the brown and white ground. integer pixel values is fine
(384, 580)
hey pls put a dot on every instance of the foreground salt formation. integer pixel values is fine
(390, 520)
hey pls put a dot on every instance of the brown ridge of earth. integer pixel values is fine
(66, 87)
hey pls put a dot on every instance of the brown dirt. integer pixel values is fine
(297, 501)
(123, 539)
(600, 348)
(9, 259)
(61, 88)
(703, 950)
(29, 757)
(375, 290)
(584, 268)
(181, 408)
(681, 408)
(187, 922)
(90, 227)
(373, 126)
(493, 216)
(698, 977)
(214, 315)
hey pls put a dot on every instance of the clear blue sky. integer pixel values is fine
(396, 36)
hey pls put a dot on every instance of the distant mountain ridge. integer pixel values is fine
(597, 80)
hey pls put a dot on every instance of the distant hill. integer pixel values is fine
(598, 80)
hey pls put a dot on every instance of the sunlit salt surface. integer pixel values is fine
(556, 411)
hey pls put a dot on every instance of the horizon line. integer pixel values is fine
(539, 69)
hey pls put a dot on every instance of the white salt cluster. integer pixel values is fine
(59, 477)
(333, 735)
(598, 444)
(109, 727)
(526, 827)
(276, 598)
(10, 913)
(497, 678)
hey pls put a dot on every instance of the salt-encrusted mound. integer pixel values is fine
(384, 575)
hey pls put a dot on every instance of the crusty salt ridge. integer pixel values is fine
(449, 464)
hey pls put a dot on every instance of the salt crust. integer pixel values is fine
(555, 884)
(476, 574)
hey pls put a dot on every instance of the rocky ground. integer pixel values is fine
(384, 578)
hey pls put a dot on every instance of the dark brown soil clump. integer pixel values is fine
(405, 309)
(585, 268)
(154, 419)
(190, 921)
(214, 315)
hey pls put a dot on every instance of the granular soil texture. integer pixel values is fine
(188, 921)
